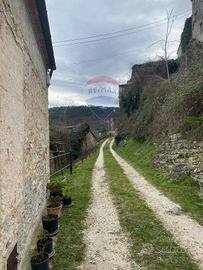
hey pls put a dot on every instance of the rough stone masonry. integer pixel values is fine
(180, 156)
(24, 140)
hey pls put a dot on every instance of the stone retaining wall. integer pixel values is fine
(179, 156)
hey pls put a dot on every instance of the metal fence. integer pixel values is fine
(60, 163)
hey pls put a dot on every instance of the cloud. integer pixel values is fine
(114, 57)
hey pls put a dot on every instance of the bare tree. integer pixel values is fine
(170, 22)
(165, 56)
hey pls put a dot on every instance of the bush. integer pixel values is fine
(130, 102)
(120, 137)
(173, 66)
(56, 185)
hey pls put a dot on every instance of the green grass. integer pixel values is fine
(150, 244)
(70, 248)
(183, 191)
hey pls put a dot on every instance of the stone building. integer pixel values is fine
(27, 62)
(89, 144)
(197, 22)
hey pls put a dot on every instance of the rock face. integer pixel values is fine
(24, 149)
(130, 93)
(179, 156)
(197, 11)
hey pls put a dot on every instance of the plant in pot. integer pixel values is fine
(45, 244)
(50, 224)
(67, 201)
(40, 261)
(54, 207)
(55, 188)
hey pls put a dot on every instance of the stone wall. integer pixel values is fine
(148, 69)
(24, 158)
(179, 156)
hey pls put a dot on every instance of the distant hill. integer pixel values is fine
(95, 117)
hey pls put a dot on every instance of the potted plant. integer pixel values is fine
(40, 261)
(67, 201)
(54, 207)
(46, 245)
(50, 224)
(55, 188)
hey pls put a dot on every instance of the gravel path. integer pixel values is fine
(107, 247)
(186, 231)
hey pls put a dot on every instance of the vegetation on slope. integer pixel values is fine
(183, 191)
(129, 102)
(70, 248)
(186, 35)
(152, 247)
(164, 107)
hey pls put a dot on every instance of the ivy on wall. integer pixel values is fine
(129, 103)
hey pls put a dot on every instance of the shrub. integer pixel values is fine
(56, 185)
(120, 137)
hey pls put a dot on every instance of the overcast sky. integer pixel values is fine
(78, 63)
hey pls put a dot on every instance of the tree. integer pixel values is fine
(170, 22)
(165, 56)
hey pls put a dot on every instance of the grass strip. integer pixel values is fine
(183, 190)
(151, 245)
(70, 248)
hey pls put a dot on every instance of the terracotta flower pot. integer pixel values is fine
(54, 210)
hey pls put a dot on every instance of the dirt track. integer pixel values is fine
(106, 245)
(186, 231)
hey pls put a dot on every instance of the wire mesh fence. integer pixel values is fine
(60, 163)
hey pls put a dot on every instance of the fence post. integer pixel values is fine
(71, 162)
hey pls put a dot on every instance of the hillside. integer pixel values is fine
(95, 117)
(160, 107)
